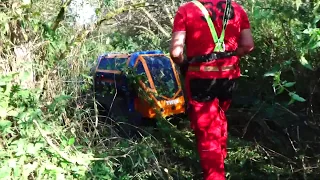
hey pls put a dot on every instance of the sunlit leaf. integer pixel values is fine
(12, 113)
(5, 123)
(17, 172)
(12, 163)
(5, 172)
(287, 63)
(316, 45)
(30, 148)
(71, 141)
(280, 90)
(3, 113)
(298, 4)
(289, 84)
(296, 97)
(29, 168)
(305, 63)
(26, 2)
(268, 74)
(38, 146)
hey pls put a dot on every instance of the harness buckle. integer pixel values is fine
(213, 56)
(220, 46)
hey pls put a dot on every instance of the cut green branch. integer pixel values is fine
(53, 146)
(121, 10)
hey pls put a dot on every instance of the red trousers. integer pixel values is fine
(209, 123)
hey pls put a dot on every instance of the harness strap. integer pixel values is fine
(211, 68)
(211, 57)
(219, 42)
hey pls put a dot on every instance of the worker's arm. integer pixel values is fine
(178, 36)
(245, 44)
(177, 45)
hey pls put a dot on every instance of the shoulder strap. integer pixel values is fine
(220, 46)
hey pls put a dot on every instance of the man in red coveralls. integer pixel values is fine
(212, 66)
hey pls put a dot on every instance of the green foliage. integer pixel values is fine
(26, 148)
(285, 38)
(48, 131)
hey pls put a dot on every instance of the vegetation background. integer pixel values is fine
(50, 129)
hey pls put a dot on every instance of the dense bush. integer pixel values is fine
(51, 129)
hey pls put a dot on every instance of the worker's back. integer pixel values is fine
(199, 40)
(210, 75)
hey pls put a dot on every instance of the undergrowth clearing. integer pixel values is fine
(52, 129)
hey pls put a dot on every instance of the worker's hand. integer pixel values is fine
(240, 52)
(246, 43)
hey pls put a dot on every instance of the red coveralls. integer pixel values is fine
(207, 117)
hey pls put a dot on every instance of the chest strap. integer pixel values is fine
(219, 42)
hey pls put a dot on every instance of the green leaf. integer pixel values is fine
(5, 172)
(31, 148)
(305, 63)
(280, 90)
(4, 103)
(12, 163)
(38, 146)
(24, 94)
(87, 77)
(60, 175)
(7, 78)
(5, 123)
(71, 141)
(268, 74)
(26, 2)
(296, 97)
(29, 168)
(3, 113)
(13, 113)
(298, 4)
(289, 84)
(17, 172)
(64, 165)
(287, 63)
(8, 89)
(316, 45)
(24, 75)
(20, 146)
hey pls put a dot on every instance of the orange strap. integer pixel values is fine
(211, 68)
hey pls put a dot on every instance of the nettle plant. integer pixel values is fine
(304, 34)
(17, 103)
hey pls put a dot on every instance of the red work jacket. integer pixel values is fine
(199, 40)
